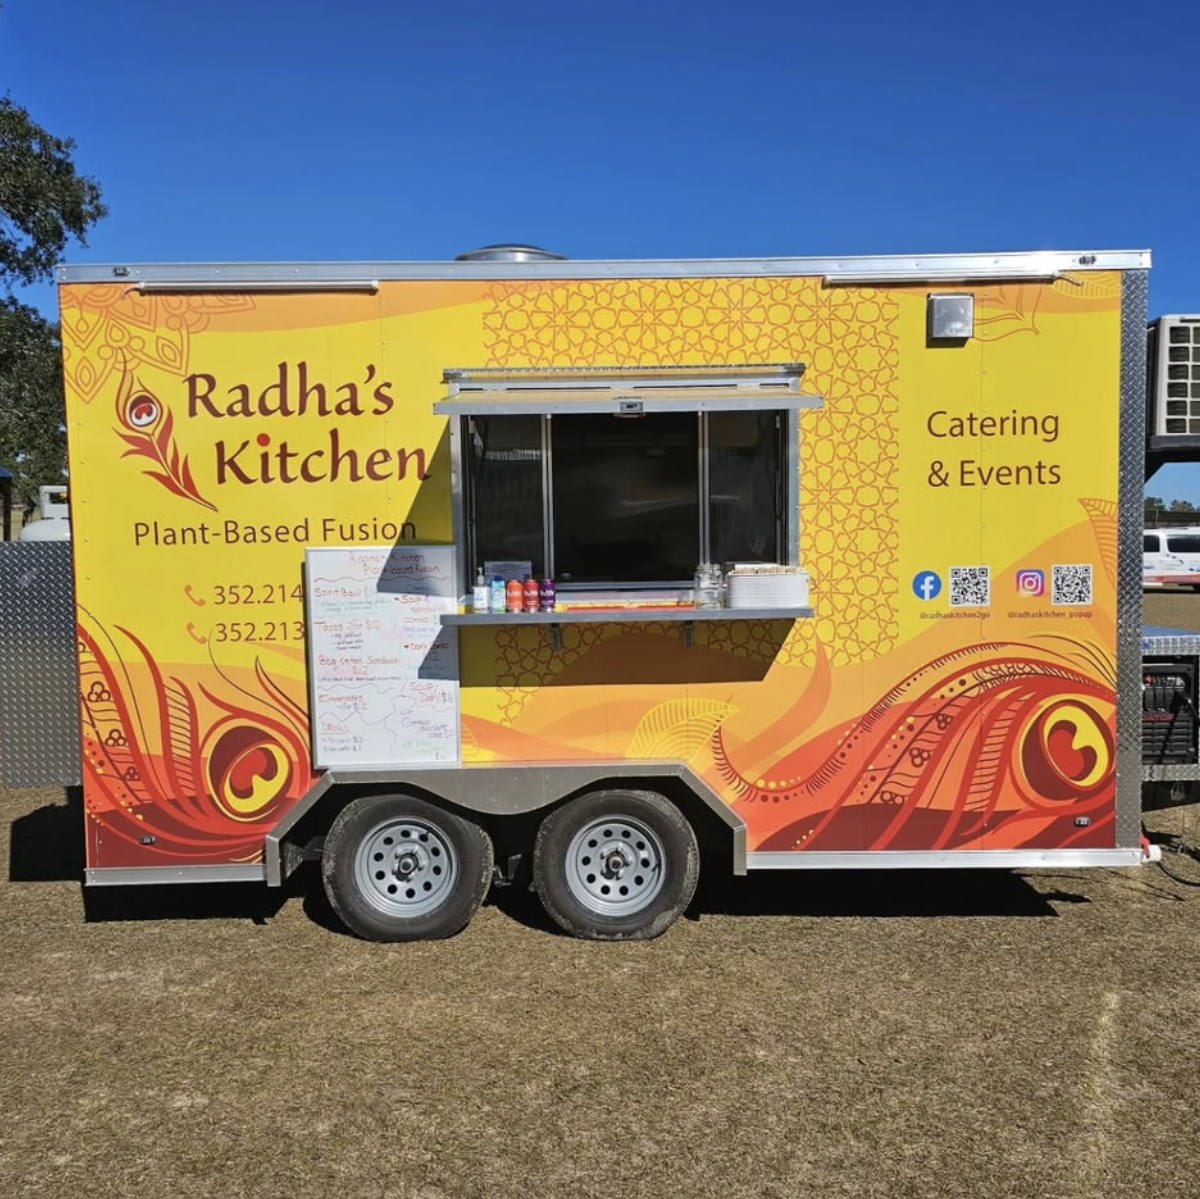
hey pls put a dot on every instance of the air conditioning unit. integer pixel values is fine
(1174, 370)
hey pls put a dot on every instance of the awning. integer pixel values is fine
(625, 392)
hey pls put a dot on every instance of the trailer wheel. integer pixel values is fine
(616, 865)
(397, 868)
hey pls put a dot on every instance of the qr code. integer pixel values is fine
(970, 586)
(1071, 585)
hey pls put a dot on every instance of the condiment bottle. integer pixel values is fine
(481, 595)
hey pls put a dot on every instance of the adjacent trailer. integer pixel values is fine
(921, 477)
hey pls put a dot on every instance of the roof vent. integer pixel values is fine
(510, 253)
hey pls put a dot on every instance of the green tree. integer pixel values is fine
(44, 205)
(33, 442)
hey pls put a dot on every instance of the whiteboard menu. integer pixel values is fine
(383, 672)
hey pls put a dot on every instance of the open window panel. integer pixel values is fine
(627, 480)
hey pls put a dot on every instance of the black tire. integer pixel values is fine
(1170, 794)
(653, 821)
(461, 856)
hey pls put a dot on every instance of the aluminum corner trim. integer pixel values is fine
(951, 859)
(1130, 495)
(141, 876)
(896, 268)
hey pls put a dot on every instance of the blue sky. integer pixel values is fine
(391, 130)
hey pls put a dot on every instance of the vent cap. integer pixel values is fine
(509, 252)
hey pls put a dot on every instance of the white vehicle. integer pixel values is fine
(1181, 543)
(1171, 558)
(54, 511)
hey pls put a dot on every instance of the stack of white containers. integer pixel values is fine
(755, 586)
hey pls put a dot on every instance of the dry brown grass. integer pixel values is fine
(878, 1034)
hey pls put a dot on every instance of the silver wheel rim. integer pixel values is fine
(616, 866)
(406, 868)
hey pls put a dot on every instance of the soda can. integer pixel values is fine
(516, 596)
(531, 595)
(547, 595)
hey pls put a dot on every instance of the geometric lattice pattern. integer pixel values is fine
(849, 340)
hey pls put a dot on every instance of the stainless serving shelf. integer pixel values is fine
(683, 616)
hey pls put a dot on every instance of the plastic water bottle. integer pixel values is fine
(481, 595)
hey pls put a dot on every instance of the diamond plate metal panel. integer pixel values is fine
(1174, 646)
(1168, 772)
(39, 669)
(1129, 557)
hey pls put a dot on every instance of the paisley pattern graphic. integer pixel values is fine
(939, 761)
(1011, 309)
(1006, 311)
(1103, 515)
(149, 434)
(678, 730)
(159, 787)
(109, 328)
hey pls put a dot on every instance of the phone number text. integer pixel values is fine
(259, 630)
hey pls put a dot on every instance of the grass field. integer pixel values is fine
(878, 1034)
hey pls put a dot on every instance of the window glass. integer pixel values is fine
(626, 497)
(743, 485)
(504, 455)
(1189, 544)
(1150, 543)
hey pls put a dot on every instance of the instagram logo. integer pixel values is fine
(1031, 584)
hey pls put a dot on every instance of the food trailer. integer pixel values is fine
(818, 564)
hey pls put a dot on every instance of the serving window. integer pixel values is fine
(628, 482)
(504, 461)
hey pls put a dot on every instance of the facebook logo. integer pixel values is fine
(927, 584)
